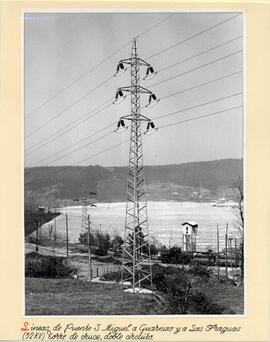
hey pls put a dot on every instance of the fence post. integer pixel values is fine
(89, 249)
(231, 256)
(218, 252)
(226, 251)
(235, 253)
(36, 235)
(67, 233)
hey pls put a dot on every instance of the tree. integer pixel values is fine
(102, 242)
(117, 242)
(83, 239)
(239, 214)
(153, 249)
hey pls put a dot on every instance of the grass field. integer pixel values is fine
(229, 297)
(75, 297)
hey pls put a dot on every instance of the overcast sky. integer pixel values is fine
(60, 47)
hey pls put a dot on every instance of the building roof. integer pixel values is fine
(190, 223)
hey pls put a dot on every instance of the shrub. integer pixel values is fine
(198, 303)
(100, 251)
(181, 298)
(115, 275)
(47, 267)
(197, 269)
(177, 292)
(174, 283)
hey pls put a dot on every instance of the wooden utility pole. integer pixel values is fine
(235, 254)
(36, 235)
(226, 251)
(54, 237)
(231, 255)
(89, 251)
(218, 252)
(67, 233)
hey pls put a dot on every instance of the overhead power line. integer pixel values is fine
(196, 68)
(106, 127)
(182, 62)
(153, 85)
(193, 36)
(78, 79)
(127, 140)
(70, 126)
(197, 106)
(162, 98)
(78, 142)
(154, 26)
(199, 54)
(68, 107)
(79, 148)
(69, 85)
(201, 117)
(80, 161)
(201, 84)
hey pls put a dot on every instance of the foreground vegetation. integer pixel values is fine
(75, 297)
(190, 290)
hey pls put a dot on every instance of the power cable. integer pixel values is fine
(154, 26)
(201, 84)
(95, 67)
(192, 68)
(79, 78)
(156, 118)
(68, 107)
(167, 96)
(193, 36)
(81, 140)
(71, 126)
(197, 106)
(201, 117)
(196, 68)
(152, 85)
(199, 54)
(161, 127)
(79, 148)
(83, 160)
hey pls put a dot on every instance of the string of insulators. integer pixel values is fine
(150, 128)
(121, 123)
(152, 99)
(150, 73)
(121, 126)
(120, 66)
(150, 69)
(120, 69)
(119, 94)
(150, 124)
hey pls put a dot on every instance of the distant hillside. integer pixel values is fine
(163, 181)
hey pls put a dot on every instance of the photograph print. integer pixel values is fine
(133, 163)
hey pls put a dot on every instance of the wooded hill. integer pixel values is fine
(61, 182)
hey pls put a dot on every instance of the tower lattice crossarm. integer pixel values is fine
(136, 262)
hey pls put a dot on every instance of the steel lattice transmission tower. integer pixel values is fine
(136, 263)
(84, 221)
(86, 201)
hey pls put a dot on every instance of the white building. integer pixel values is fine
(189, 234)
